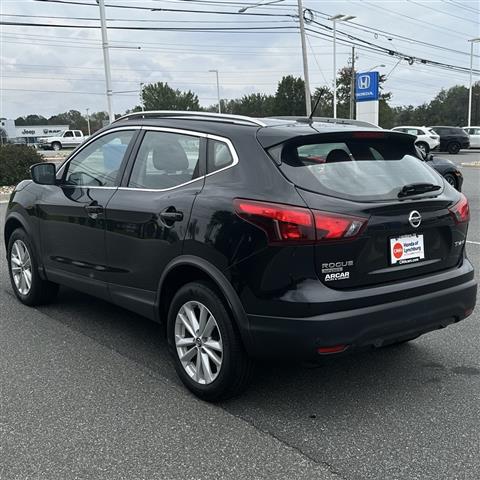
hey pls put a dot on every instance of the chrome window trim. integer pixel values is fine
(88, 142)
(225, 140)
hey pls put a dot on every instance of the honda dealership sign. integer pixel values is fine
(366, 96)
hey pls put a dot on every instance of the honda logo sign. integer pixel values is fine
(366, 86)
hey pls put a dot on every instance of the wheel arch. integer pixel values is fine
(13, 222)
(188, 268)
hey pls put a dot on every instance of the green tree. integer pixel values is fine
(73, 118)
(290, 97)
(31, 120)
(160, 96)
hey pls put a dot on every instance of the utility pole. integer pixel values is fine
(218, 90)
(352, 85)
(141, 97)
(106, 60)
(474, 40)
(308, 99)
(88, 122)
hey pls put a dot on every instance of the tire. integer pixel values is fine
(207, 381)
(39, 291)
(424, 147)
(453, 148)
(56, 146)
(451, 180)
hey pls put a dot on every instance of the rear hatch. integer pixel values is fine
(405, 221)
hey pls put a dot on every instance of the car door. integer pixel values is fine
(474, 134)
(72, 214)
(148, 217)
(78, 138)
(68, 140)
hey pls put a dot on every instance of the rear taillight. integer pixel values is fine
(298, 225)
(461, 211)
(331, 226)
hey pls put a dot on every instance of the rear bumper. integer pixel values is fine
(368, 326)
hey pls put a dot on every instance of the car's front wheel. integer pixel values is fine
(56, 146)
(206, 347)
(26, 282)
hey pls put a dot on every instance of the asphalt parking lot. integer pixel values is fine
(87, 391)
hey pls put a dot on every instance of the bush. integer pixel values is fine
(15, 163)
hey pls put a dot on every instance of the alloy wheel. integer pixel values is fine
(21, 266)
(198, 342)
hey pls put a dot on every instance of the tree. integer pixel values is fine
(160, 96)
(449, 107)
(73, 118)
(253, 105)
(290, 97)
(31, 120)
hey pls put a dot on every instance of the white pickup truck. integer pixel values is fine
(68, 138)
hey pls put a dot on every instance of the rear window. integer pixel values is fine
(356, 169)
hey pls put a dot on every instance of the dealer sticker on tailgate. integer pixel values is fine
(406, 249)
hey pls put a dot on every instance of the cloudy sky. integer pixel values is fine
(47, 69)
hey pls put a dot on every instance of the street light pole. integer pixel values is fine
(472, 41)
(106, 60)
(335, 19)
(88, 122)
(308, 99)
(218, 90)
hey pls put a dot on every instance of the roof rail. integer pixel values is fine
(190, 113)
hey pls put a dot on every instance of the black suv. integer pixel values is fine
(452, 139)
(247, 238)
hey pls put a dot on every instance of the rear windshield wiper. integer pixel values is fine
(417, 188)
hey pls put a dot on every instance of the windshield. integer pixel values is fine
(357, 169)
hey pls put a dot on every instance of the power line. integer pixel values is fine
(443, 12)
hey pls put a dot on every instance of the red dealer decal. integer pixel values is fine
(398, 250)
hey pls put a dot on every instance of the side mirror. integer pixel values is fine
(44, 173)
(429, 157)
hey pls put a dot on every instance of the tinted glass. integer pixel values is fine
(78, 134)
(219, 156)
(165, 160)
(356, 169)
(68, 134)
(98, 164)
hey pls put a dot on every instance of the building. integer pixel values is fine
(9, 132)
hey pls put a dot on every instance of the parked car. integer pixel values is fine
(244, 242)
(474, 136)
(444, 167)
(452, 139)
(426, 139)
(68, 138)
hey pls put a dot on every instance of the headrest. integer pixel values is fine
(113, 155)
(337, 155)
(170, 157)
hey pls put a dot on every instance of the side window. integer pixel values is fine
(413, 131)
(69, 133)
(97, 165)
(78, 133)
(165, 160)
(420, 132)
(219, 156)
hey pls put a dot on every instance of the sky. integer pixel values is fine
(48, 70)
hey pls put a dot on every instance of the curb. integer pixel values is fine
(471, 164)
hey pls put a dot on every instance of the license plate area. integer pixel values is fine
(407, 249)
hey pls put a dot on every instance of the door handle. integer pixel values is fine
(170, 215)
(94, 210)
